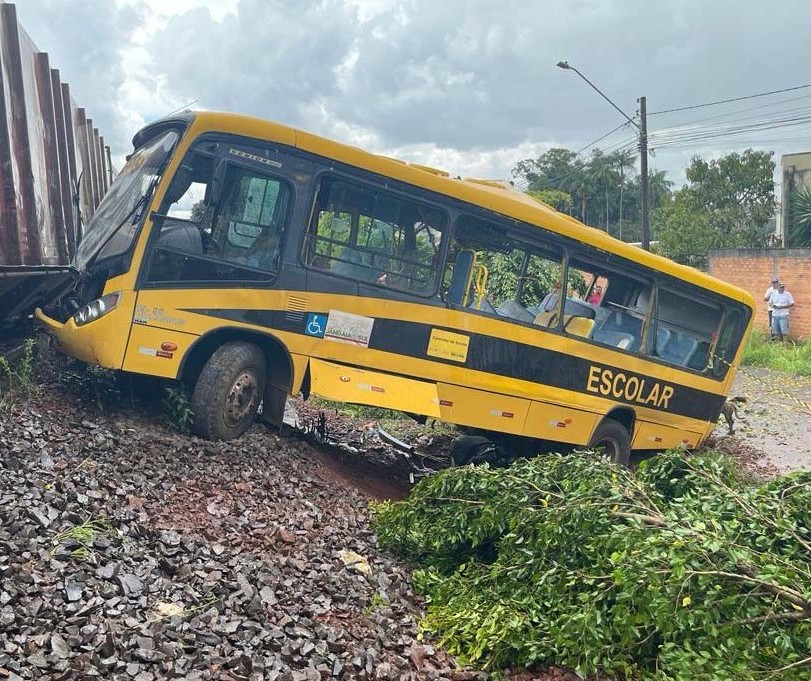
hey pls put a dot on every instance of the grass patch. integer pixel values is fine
(20, 373)
(793, 358)
(79, 538)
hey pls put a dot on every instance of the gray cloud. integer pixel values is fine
(464, 77)
(84, 41)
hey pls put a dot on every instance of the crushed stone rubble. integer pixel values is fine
(128, 552)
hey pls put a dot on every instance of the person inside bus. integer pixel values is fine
(550, 302)
(596, 295)
(264, 252)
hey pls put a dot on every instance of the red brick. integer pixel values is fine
(752, 270)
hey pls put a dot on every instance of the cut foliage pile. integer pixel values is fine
(679, 571)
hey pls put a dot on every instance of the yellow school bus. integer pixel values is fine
(253, 261)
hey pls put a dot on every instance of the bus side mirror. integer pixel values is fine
(218, 182)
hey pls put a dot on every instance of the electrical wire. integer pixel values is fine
(727, 101)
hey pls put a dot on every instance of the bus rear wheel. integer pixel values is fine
(613, 439)
(228, 391)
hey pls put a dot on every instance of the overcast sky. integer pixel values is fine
(469, 86)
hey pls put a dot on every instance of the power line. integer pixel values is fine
(727, 101)
(697, 134)
(600, 139)
(751, 108)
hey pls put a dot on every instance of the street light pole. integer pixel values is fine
(642, 127)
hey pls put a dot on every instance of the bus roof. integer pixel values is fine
(496, 196)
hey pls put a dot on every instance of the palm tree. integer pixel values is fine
(800, 218)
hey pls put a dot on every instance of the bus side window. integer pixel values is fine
(495, 272)
(729, 338)
(687, 327)
(248, 228)
(374, 236)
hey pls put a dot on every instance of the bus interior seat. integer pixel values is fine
(618, 339)
(699, 358)
(578, 326)
(620, 330)
(353, 263)
(544, 318)
(679, 348)
(182, 236)
(460, 277)
(484, 305)
(662, 338)
(514, 310)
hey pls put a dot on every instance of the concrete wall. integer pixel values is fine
(752, 269)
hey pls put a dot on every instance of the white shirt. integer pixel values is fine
(780, 302)
(768, 296)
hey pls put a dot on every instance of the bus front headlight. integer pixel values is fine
(96, 309)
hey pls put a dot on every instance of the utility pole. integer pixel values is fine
(643, 162)
(642, 127)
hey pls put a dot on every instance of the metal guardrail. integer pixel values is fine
(54, 164)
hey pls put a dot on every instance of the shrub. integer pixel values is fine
(677, 571)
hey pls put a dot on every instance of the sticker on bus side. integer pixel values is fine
(346, 327)
(448, 345)
(315, 325)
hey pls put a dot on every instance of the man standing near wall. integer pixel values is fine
(767, 299)
(781, 303)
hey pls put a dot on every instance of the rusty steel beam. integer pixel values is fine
(64, 171)
(109, 167)
(102, 164)
(75, 193)
(9, 238)
(71, 140)
(27, 228)
(94, 168)
(86, 181)
(54, 166)
(42, 73)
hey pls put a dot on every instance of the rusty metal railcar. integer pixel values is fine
(54, 165)
(54, 170)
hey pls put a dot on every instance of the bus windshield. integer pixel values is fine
(115, 222)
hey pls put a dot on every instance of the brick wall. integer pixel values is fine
(752, 269)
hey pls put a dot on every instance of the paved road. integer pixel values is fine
(775, 422)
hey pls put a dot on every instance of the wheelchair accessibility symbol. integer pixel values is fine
(316, 325)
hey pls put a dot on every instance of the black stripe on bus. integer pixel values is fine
(512, 359)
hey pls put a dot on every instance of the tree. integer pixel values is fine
(560, 201)
(727, 203)
(600, 190)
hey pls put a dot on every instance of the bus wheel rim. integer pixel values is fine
(240, 398)
(609, 447)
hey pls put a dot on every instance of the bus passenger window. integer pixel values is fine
(375, 237)
(729, 338)
(506, 276)
(619, 304)
(686, 328)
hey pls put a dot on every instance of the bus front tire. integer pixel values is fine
(614, 440)
(228, 391)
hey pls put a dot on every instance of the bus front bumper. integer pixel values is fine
(101, 342)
